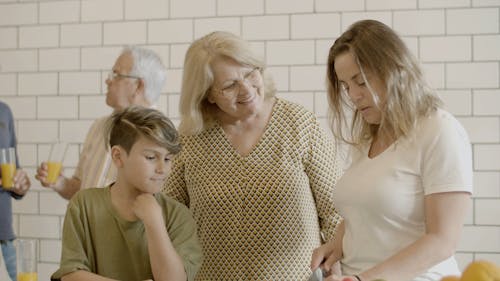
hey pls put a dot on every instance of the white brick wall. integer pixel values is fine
(99, 58)
(122, 33)
(192, 8)
(239, 7)
(288, 6)
(207, 25)
(423, 22)
(9, 38)
(486, 47)
(39, 36)
(446, 48)
(101, 10)
(170, 31)
(311, 26)
(486, 102)
(266, 27)
(472, 75)
(290, 52)
(18, 14)
(8, 84)
(74, 83)
(146, 9)
(54, 56)
(59, 59)
(59, 12)
(35, 84)
(74, 35)
(18, 60)
(458, 102)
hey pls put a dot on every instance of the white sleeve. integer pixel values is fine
(447, 156)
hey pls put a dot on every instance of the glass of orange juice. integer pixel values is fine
(8, 166)
(54, 164)
(27, 260)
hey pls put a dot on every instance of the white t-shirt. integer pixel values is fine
(382, 198)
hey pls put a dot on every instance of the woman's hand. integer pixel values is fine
(327, 259)
(340, 278)
(328, 255)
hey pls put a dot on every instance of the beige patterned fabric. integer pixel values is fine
(259, 217)
(95, 168)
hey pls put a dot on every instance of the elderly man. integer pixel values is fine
(136, 79)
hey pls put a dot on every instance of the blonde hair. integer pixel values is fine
(126, 126)
(198, 77)
(378, 50)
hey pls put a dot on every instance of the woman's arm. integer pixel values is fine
(444, 217)
(323, 169)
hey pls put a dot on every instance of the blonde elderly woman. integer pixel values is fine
(406, 193)
(257, 171)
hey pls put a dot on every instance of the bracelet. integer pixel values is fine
(357, 277)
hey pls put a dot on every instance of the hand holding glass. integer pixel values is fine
(8, 166)
(26, 260)
(54, 164)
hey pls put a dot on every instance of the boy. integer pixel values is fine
(129, 230)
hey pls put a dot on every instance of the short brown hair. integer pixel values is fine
(127, 125)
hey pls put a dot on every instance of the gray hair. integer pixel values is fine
(147, 65)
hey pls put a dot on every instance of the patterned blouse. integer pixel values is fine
(259, 217)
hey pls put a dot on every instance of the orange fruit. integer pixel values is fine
(450, 278)
(481, 271)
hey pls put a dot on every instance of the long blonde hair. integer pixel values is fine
(198, 77)
(380, 51)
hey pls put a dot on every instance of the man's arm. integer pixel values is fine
(66, 187)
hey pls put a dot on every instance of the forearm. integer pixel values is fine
(68, 187)
(82, 275)
(412, 260)
(166, 264)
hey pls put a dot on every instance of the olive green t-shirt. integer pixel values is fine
(98, 240)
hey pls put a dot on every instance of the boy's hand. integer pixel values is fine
(147, 209)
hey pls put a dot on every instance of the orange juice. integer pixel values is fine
(27, 276)
(54, 171)
(8, 172)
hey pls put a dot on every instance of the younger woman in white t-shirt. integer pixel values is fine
(407, 190)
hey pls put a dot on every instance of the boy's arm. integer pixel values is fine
(166, 264)
(82, 275)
